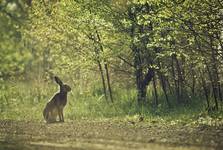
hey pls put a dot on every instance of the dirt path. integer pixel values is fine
(112, 135)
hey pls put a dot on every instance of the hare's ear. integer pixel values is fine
(58, 81)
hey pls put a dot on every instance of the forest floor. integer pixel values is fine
(108, 134)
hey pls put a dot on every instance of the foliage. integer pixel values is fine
(14, 56)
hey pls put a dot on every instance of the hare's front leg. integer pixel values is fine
(60, 113)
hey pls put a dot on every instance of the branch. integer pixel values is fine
(123, 59)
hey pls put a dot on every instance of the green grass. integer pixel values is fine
(26, 100)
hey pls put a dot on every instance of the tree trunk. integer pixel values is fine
(213, 86)
(105, 66)
(142, 79)
(176, 84)
(155, 92)
(179, 79)
(108, 82)
(205, 91)
(169, 86)
(215, 69)
(103, 80)
(193, 80)
(163, 84)
(141, 91)
(141, 95)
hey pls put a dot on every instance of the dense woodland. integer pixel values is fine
(160, 53)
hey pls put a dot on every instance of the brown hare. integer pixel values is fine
(56, 105)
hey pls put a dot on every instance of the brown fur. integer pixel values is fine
(56, 105)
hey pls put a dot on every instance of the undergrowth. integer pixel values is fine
(26, 100)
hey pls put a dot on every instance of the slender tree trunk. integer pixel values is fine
(169, 86)
(163, 84)
(105, 66)
(193, 80)
(215, 69)
(155, 92)
(103, 80)
(164, 89)
(214, 89)
(179, 78)
(141, 95)
(176, 83)
(108, 82)
(91, 37)
(205, 91)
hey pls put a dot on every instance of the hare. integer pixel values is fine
(57, 103)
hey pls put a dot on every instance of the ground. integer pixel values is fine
(108, 134)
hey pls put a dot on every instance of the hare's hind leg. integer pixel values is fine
(48, 118)
(52, 117)
(46, 114)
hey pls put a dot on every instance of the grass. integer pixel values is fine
(26, 100)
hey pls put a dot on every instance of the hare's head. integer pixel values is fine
(64, 88)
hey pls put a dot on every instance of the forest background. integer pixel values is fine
(153, 58)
